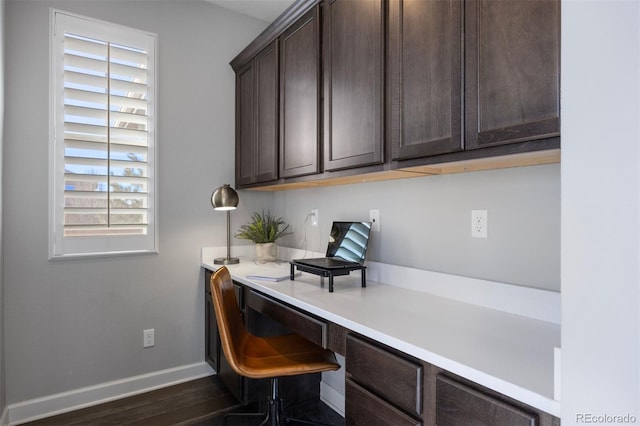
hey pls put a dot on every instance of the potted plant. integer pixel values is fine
(264, 229)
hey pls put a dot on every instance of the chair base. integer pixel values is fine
(275, 415)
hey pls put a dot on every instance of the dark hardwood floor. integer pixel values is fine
(201, 402)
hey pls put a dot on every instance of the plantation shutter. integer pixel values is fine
(106, 129)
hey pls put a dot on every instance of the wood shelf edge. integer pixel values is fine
(534, 158)
(550, 156)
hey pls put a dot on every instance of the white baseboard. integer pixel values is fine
(4, 419)
(332, 398)
(51, 405)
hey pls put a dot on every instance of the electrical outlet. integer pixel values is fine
(314, 217)
(374, 218)
(148, 338)
(479, 226)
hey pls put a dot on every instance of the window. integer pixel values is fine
(102, 190)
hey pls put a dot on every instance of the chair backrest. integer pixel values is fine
(230, 326)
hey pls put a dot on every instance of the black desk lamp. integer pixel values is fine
(226, 199)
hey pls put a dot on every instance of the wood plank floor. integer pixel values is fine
(201, 402)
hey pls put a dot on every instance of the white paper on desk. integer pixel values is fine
(274, 276)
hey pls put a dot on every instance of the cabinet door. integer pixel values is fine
(266, 114)
(353, 46)
(257, 119)
(424, 65)
(512, 71)
(299, 97)
(245, 130)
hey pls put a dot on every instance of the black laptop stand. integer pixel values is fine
(328, 272)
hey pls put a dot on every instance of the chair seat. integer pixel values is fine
(288, 355)
(263, 357)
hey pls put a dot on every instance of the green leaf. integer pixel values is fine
(263, 228)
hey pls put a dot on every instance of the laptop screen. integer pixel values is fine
(349, 240)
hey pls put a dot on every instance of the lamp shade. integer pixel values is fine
(224, 198)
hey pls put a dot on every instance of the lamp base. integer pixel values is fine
(226, 261)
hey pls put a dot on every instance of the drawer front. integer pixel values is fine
(461, 405)
(395, 379)
(365, 409)
(337, 338)
(294, 320)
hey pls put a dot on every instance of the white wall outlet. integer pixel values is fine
(148, 338)
(479, 226)
(374, 218)
(314, 217)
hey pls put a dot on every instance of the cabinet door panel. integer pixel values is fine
(299, 98)
(353, 43)
(266, 114)
(245, 134)
(513, 71)
(425, 77)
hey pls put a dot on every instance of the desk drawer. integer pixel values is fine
(458, 404)
(386, 374)
(296, 321)
(362, 408)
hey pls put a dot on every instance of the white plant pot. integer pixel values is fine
(266, 252)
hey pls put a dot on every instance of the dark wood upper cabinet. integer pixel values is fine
(424, 77)
(353, 53)
(338, 89)
(512, 63)
(257, 119)
(300, 97)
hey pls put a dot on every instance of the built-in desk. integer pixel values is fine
(507, 355)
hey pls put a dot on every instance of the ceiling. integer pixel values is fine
(266, 10)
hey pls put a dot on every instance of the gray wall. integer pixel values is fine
(3, 394)
(76, 323)
(426, 222)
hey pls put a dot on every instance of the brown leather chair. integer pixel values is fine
(263, 357)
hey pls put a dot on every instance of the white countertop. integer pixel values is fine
(509, 353)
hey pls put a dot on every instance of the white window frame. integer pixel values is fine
(61, 246)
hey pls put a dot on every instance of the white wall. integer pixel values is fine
(77, 323)
(600, 210)
(426, 222)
